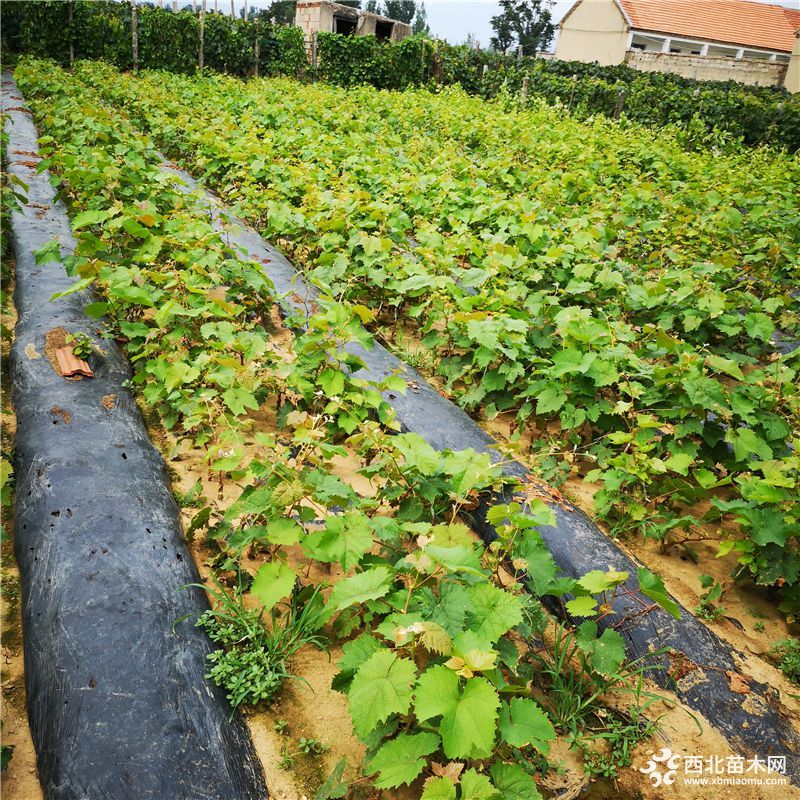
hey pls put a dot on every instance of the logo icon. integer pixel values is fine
(661, 767)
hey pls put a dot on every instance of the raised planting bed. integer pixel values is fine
(117, 701)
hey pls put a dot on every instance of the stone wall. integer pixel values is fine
(709, 68)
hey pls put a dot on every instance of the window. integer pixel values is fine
(383, 29)
(344, 25)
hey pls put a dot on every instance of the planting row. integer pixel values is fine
(630, 303)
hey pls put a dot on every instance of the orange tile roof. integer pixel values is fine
(740, 22)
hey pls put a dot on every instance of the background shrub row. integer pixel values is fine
(102, 30)
(758, 115)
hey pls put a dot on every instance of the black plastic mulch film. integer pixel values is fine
(117, 702)
(753, 723)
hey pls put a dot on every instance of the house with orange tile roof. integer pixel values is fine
(738, 40)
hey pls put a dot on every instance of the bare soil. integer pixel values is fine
(19, 781)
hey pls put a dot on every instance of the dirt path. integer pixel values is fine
(19, 781)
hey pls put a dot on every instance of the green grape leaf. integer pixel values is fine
(344, 540)
(550, 399)
(596, 581)
(273, 581)
(449, 609)
(475, 786)
(402, 759)
(381, 687)
(583, 606)
(606, 652)
(371, 584)
(513, 782)
(283, 531)
(522, 723)
(469, 717)
(650, 585)
(331, 381)
(439, 789)
(238, 400)
(91, 217)
(492, 611)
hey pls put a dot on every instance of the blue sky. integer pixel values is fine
(454, 20)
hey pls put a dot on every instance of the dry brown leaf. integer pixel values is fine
(737, 683)
(452, 770)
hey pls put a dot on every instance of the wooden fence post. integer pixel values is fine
(620, 104)
(174, 6)
(519, 53)
(314, 56)
(71, 36)
(572, 91)
(245, 10)
(233, 10)
(257, 47)
(134, 36)
(524, 94)
(485, 71)
(201, 51)
(216, 6)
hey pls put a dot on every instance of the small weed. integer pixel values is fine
(6, 754)
(311, 746)
(81, 344)
(287, 759)
(192, 498)
(252, 661)
(758, 627)
(788, 651)
(573, 686)
(706, 609)
(305, 746)
(617, 741)
(420, 358)
(281, 726)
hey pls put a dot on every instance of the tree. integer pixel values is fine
(420, 25)
(526, 22)
(402, 10)
(351, 3)
(373, 6)
(282, 11)
(504, 34)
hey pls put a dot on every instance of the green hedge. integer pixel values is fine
(757, 115)
(102, 30)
